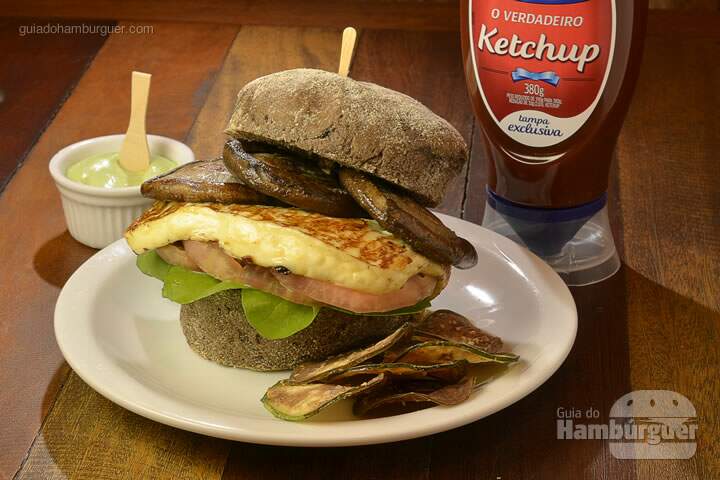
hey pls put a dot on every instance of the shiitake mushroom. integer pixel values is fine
(291, 179)
(406, 218)
(203, 181)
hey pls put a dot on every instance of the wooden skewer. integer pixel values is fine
(135, 153)
(347, 50)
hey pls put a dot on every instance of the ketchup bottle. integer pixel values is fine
(551, 82)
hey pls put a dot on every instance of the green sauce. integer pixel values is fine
(104, 170)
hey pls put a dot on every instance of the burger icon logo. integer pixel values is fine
(656, 424)
(647, 424)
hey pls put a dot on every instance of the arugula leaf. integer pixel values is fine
(275, 317)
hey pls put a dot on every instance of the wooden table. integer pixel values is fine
(654, 325)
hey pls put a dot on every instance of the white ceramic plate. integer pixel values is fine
(125, 341)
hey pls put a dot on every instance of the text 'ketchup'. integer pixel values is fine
(551, 82)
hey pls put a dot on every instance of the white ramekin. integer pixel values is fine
(98, 216)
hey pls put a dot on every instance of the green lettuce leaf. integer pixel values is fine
(274, 317)
(151, 264)
(181, 285)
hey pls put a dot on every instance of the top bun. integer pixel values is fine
(356, 124)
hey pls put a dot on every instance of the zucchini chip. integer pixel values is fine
(406, 218)
(395, 396)
(299, 402)
(203, 181)
(453, 327)
(316, 371)
(447, 372)
(430, 353)
(291, 179)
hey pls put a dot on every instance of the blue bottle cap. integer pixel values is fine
(545, 231)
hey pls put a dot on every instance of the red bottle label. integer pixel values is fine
(541, 65)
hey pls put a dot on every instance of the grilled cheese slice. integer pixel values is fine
(353, 253)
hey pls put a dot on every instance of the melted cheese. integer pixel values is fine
(353, 253)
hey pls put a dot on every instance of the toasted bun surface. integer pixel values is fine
(357, 124)
(215, 328)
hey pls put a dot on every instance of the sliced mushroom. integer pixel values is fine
(291, 179)
(203, 181)
(409, 220)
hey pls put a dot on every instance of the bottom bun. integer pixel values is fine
(215, 328)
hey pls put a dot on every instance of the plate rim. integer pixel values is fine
(299, 436)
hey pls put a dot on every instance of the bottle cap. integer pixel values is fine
(577, 242)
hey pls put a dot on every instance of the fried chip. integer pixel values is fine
(298, 402)
(417, 366)
(391, 354)
(446, 395)
(430, 353)
(453, 327)
(314, 371)
(447, 372)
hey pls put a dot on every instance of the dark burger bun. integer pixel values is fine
(355, 124)
(215, 328)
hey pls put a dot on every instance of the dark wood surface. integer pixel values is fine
(387, 14)
(426, 14)
(654, 325)
(37, 72)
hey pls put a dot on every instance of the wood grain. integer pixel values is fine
(183, 59)
(673, 343)
(405, 14)
(386, 14)
(669, 192)
(687, 25)
(686, 4)
(668, 151)
(475, 186)
(88, 436)
(409, 459)
(38, 70)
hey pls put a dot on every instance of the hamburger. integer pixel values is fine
(311, 234)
